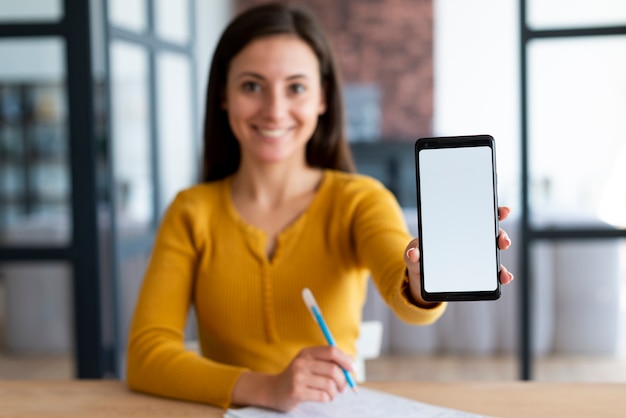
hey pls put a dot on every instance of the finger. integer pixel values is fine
(318, 368)
(329, 354)
(323, 387)
(332, 364)
(413, 255)
(503, 212)
(506, 276)
(332, 373)
(411, 259)
(309, 372)
(504, 241)
(309, 387)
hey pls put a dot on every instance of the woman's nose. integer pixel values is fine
(276, 105)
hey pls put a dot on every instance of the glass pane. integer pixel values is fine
(32, 60)
(30, 10)
(178, 156)
(576, 131)
(551, 14)
(35, 321)
(34, 156)
(584, 317)
(131, 268)
(131, 133)
(128, 14)
(172, 20)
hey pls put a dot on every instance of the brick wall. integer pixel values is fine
(388, 43)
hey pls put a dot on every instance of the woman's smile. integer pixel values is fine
(273, 133)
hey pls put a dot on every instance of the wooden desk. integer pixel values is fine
(111, 399)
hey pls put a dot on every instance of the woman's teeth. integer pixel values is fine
(274, 133)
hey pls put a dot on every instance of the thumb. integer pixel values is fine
(412, 256)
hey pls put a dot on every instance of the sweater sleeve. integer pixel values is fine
(381, 236)
(158, 362)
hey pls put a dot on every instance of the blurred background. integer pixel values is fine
(101, 109)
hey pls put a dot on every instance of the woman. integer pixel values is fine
(279, 209)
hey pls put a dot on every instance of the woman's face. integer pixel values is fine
(274, 98)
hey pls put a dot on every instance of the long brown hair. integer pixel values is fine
(328, 147)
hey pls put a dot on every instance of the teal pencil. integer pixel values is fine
(310, 302)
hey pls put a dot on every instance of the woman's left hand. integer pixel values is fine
(412, 258)
(504, 242)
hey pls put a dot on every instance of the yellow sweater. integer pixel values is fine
(249, 308)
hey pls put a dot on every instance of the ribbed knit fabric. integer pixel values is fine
(249, 309)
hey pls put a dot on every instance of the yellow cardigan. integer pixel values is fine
(249, 308)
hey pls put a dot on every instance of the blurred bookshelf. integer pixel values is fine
(33, 151)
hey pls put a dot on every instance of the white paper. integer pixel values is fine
(367, 403)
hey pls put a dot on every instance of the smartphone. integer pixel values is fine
(457, 207)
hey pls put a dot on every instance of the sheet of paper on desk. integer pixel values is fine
(368, 403)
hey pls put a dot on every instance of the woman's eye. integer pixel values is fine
(251, 86)
(297, 88)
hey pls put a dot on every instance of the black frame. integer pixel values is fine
(124, 248)
(95, 357)
(528, 233)
(82, 251)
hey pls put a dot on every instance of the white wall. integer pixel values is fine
(476, 87)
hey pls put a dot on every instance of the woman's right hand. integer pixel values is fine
(314, 374)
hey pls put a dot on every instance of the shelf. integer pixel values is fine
(20, 200)
(34, 147)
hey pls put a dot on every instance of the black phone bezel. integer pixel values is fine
(456, 142)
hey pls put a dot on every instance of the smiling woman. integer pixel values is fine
(327, 147)
(280, 209)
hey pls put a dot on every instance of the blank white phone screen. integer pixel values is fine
(458, 220)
